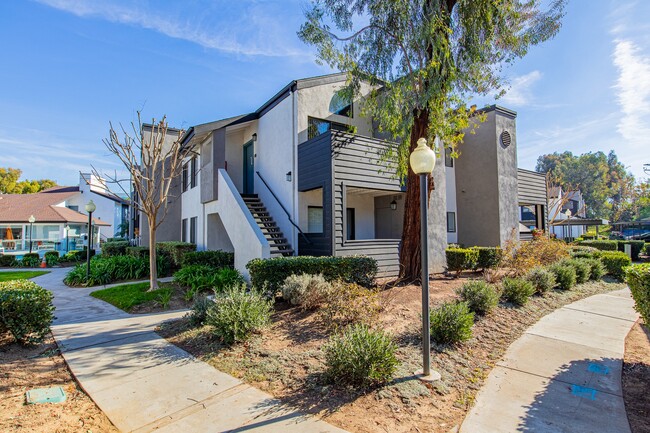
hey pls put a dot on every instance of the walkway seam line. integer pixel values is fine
(599, 314)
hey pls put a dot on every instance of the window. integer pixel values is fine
(449, 161)
(451, 222)
(341, 104)
(349, 216)
(184, 180)
(184, 230)
(193, 221)
(74, 208)
(193, 172)
(314, 219)
(316, 127)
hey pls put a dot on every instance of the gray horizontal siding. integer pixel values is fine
(531, 187)
(385, 251)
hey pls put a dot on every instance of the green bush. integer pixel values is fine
(217, 259)
(488, 257)
(308, 291)
(637, 247)
(199, 310)
(116, 248)
(199, 278)
(565, 275)
(583, 252)
(176, 251)
(137, 251)
(601, 245)
(461, 259)
(596, 269)
(614, 262)
(106, 270)
(542, 279)
(646, 250)
(451, 323)
(8, 260)
(26, 310)
(269, 274)
(236, 314)
(517, 290)
(480, 296)
(31, 260)
(118, 239)
(360, 356)
(637, 278)
(77, 255)
(583, 270)
(52, 258)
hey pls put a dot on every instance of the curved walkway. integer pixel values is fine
(143, 383)
(562, 375)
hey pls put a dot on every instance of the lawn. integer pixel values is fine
(135, 298)
(21, 275)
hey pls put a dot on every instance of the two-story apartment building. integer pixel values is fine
(291, 178)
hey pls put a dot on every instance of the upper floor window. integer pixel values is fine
(185, 177)
(341, 104)
(193, 172)
(316, 127)
(449, 161)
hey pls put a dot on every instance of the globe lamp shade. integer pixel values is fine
(423, 158)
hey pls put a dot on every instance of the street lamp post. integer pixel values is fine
(67, 238)
(31, 231)
(569, 228)
(90, 208)
(423, 161)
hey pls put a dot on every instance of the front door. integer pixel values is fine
(249, 168)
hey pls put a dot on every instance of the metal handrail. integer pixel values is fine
(283, 208)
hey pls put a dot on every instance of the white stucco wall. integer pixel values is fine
(364, 214)
(105, 210)
(306, 199)
(450, 175)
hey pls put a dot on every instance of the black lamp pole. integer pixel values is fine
(90, 228)
(31, 231)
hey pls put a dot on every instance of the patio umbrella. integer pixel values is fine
(9, 236)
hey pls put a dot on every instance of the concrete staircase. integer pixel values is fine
(280, 246)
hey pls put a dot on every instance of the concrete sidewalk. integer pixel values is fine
(143, 383)
(562, 375)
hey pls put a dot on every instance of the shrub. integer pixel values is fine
(199, 278)
(269, 274)
(360, 356)
(521, 257)
(348, 303)
(582, 252)
(7, 260)
(236, 314)
(164, 297)
(26, 310)
(199, 310)
(77, 255)
(614, 262)
(106, 270)
(542, 279)
(583, 270)
(118, 239)
(137, 251)
(637, 246)
(488, 257)
(565, 276)
(216, 259)
(596, 269)
(461, 259)
(601, 245)
(517, 290)
(31, 260)
(175, 250)
(115, 248)
(308, 291)
(480, 296)
(451, 323)
(646, 250)
(52, 258)
(638, 278)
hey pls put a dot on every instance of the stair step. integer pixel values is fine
(249, 196)
(283, 252)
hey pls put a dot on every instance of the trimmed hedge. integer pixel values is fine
(637, 246)
(216, 259)
(26, 310)
(114, 248)
(638, 278)
(601, 245)
(8, 260)
(488, 257)
(106, 270)
(77, 255)
(461, 259)
(615, 262)
(137, 251)
(175, 250)
(269, 274)
(31, 260)
(52, 258)
(118, 239)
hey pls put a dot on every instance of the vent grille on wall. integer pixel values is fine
(505, 139)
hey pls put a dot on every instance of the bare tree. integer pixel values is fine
(153, 162)
(556, 204)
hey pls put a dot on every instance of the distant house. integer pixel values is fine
(566, 210)
(60, 218)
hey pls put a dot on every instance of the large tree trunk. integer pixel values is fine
(153, 263)
(410, 252)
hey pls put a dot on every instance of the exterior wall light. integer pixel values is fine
(393, 205)
(255, 136)
(288, 176)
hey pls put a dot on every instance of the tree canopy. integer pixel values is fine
(10, 183)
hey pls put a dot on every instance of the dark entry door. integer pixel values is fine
(249, 168)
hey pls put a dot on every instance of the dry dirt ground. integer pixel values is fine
(636, 378)
(27, 367)
(286, 360)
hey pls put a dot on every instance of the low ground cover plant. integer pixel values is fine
(236, 314)
(200, 278)
(26, 310)
(480, 296)
(517, 290)
(615, 262)
(565, 276)
(270, 274)
(542, 279)
(461, 259)
(216, 259)
(451, 323)
(308, 291)
(127, 296)
(360, 356)
(637, 278)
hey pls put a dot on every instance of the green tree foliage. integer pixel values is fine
(607, 187)
(425, 60)
(10, 183)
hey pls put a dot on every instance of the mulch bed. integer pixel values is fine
(287, 361)
(636, 377)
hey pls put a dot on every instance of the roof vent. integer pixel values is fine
(505, 139)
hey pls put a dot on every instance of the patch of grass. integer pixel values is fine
(127, 296)
(21, 275)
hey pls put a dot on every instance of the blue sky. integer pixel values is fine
(71, 66)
